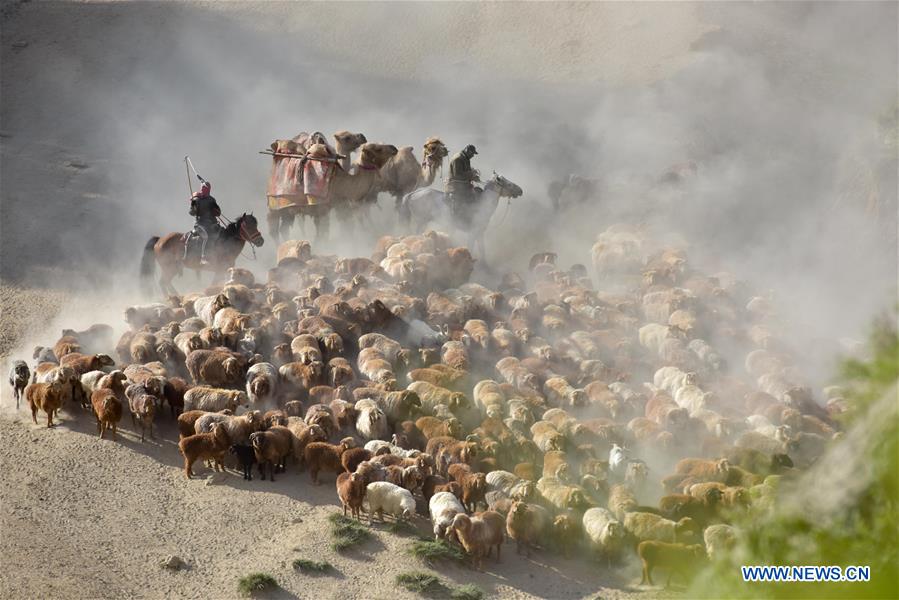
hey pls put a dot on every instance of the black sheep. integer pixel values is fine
(247, 458)
(18, 379)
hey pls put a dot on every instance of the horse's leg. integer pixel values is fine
(287, 219)
(322, 221)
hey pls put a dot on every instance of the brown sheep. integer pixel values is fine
(84, 363)
(206, 446)
(186, 421)
(322, 456)
(677, 558)
(479, 534)
(67, 344)
(353, 457)
(274, 417)
(46, 397)
(432, 427)
(474, 485)
(272, 448)
(303, 435)
(107, 409)
(566, 532)
(370, 471)
(621, 500)
(215, 368)
(527, 524)
(351, 491)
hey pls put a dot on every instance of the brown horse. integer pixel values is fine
(169, 253)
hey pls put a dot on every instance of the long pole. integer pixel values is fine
(187, 168)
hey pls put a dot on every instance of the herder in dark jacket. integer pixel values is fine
(460, 187)
(206, 210)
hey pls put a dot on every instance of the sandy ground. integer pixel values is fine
(93, 518)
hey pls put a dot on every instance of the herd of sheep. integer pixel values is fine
(564, 409)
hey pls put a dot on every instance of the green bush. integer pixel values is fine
(314, 566)
(845, 510)
(346, 532)
(433, 550)
(468, 591)
(420, 582)
(256, 582)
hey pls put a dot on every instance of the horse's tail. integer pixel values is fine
(148, 264)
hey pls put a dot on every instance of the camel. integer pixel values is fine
(401, 175)
(283, 210)
(428, 205)
(349, 187)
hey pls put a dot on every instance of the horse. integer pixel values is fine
(428, 205)
(168, 251)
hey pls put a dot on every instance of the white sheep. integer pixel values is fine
(213, 399)
(374, 446)
(719, 539)
(383, 496)
(693, 398)
(672, 379)
(387, 347)
(617, 459)
(371, 422)
(205, 307)
(262, 384)
(443, 507)
(652, 335)
(604, 532)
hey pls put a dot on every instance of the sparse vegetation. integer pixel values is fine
(430, 550)
(346, 532)
(469, 591)
(255, 583)
(311, 566)
(402, 528)
(420, 582)
(430, 585)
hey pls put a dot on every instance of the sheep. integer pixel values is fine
(18, 379)
(108, 410)
(246, 457)
(214, 367)
(238, 428)
(143, 408)
(174, 390)
(547, 437)
(262, 385)
(432, 427)
(272, 447)
(301, 378)
(305, 349)
(383, 496)
(719, 539)
(400, 405)
(322, 456)
(353, 457)
(188, 341)
(385, 346)
(47, 397)
(479, 534)
(677, 558)
(621, 500)
(443, 508)
(432, 395)
(208, 446)
(84, 363)
(561, 496)
(560, 393)
(371, 422)
(474, 485)
(618, 458)
(649, 526)
(527, 524)
(701, 507)
(604, 532)
(65, 345)
(303, 435)
(351, 489)
(207, 307)
(212, 399)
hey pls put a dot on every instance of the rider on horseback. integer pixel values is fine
(460, 187)
(206, 210)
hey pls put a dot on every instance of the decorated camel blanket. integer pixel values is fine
(317, 180)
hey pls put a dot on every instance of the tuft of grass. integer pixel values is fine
(420, 582)
(346, 532)
(469, 591)
(311, 566)
(430, 550)
(255, 583)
